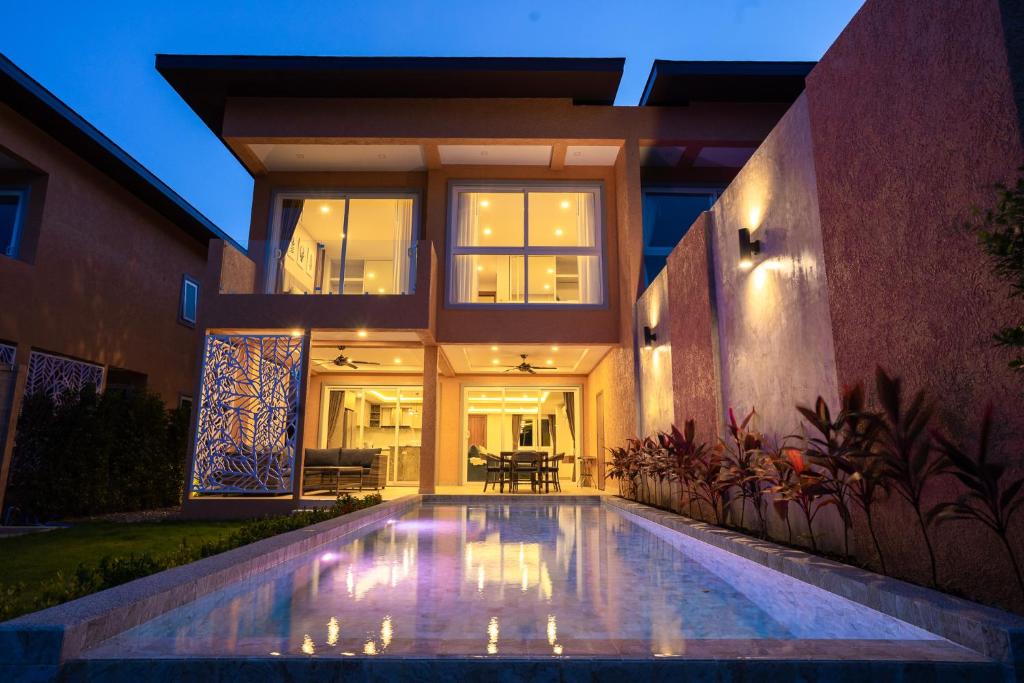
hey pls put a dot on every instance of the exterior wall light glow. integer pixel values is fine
(748, 249)
(649, 337)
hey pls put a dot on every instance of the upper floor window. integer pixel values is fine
(668, 214)
(343, 243)
(13, 203)
(525, 245)
(189, 306)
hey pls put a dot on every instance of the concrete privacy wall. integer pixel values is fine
(654, 364)
(775, 332)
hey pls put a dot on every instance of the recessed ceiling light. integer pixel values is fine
(494, 348)
(296, 333)
(554, 348)
(484, 203)
(551, 271)
(324, 208)
(558, 232)
(380, 290)
(494, 361)
(565, 204)
(487, 230)
(479, 269)
(371, 275)
(398, 361)
(549, 361)
(547, 286)
(361, 333)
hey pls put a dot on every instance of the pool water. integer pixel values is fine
(497, 579)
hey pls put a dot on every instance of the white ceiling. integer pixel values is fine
(412, 157)
(346, 157)
(495, 155)
(591, 155)
(479, 358)
(391, 360)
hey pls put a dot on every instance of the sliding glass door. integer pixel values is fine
(501, 419)
(386, 417)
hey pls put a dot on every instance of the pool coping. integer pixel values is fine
(38, 644)
(991, 632)
(43, 640)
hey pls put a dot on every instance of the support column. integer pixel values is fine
(7, 443)
(300, 452)
(431, 417)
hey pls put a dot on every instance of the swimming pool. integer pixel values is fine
(537, 579)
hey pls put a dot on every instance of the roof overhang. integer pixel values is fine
(37, 104)
(677, 83)
(206, 82)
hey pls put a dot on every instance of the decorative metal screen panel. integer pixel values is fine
(248, 414)
(56, 375)
(7, 354)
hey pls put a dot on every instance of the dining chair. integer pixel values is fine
(549, 472)
(496, 473)
(525, 464)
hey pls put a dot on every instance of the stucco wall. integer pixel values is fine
(913, 117)
(775, 334)
(693, 334)
(655, 364)
(104, 281)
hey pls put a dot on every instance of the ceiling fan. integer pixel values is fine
(344, 361)
(526, 367)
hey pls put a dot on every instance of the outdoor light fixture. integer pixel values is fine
(649, 337)
(748, 249)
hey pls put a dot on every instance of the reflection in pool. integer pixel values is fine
(498, 579)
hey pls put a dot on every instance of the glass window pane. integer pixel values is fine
(668, 215)
(564, 279)
(310, 235)
(487, 279)
(8, 222)
(410, 430)
(378, 253)
(490, 219)
(562, 219)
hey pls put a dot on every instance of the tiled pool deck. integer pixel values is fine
(976, 643)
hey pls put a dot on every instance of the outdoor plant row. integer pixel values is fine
(851, 461)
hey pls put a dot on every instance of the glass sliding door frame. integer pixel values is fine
(394, 449)
(506, 391)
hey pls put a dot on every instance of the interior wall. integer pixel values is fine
(775, 330)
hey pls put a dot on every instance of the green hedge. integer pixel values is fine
(90, 454)
(113, 570)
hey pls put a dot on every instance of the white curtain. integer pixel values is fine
(464, 273)
(403, 252)
(588, 266)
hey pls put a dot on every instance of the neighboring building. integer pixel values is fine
(442, 219)
(99, 261)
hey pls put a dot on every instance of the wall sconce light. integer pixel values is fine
(748, 249)
(649, 337)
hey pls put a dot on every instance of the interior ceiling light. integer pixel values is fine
(554, 348)
(494, 348)
(361, 333)
(324, 208)
(479, 269)
(565, 204)
(487, 230)
(371, 275)
(484, 203)
(558, 232)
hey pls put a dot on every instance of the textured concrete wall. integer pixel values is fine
(655, 364)
(913, 117)
(693, 334)
(775, 332)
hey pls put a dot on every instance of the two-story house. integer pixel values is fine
(100, 262)
(444, 257)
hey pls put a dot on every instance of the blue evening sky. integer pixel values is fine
(98, 56)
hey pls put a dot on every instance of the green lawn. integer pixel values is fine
(33, 558)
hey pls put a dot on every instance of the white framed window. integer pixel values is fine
(343, 242)
(13, 205)
(189, 305)
(525, 244)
